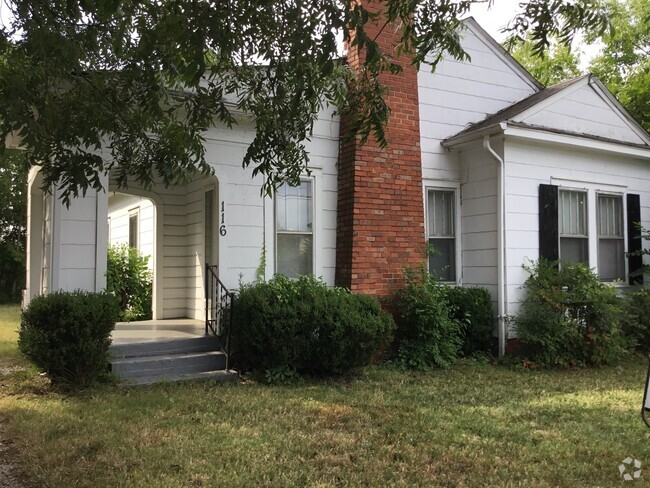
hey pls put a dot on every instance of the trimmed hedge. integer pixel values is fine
(67, 335)
(305, 326)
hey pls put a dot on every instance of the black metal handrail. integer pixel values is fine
(219, 303)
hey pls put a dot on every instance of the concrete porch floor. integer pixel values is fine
(157, 330)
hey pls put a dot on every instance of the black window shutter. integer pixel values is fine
(635, 263)
(549, 237)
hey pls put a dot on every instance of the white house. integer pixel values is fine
(483, 162)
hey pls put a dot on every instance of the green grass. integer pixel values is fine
(9, 322)
(471, 425)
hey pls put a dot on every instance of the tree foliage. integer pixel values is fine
(13, 216)
(134, 84)
(555, 65)
(624, 63)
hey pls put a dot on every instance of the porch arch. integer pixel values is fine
(181, 225)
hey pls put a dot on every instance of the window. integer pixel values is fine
(441, 233)
(594, 225)
(294, 229)
(611, 242)
(134, 231)
(574, 240)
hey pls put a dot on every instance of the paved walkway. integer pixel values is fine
(157, 330)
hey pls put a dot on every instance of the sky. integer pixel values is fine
(497, 16)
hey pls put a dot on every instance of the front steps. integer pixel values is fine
(145, 363)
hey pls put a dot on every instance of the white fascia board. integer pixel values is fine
(539, 135)
(472, 137)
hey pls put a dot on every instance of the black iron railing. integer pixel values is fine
(219, 304)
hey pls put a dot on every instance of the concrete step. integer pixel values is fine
(162, 348)
(165, 378)
(169, 364)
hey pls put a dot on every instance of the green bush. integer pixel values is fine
(67, 335)
(128, 278)
(636, 324)
(472, 308)
(428, 335)
(304, 326)
(569, 317)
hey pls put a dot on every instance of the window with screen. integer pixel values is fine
(574, 240)
(441, 233)
(611, 240)
(294, 229)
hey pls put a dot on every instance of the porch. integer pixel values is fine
(157, 330)
(154, 351)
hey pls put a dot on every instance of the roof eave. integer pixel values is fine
(469, 137)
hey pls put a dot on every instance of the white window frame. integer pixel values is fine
(446, 186)
(593, 189)
(312, 180)
(588, 225)
(134, 212)
(621, 196)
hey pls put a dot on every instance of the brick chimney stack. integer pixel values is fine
(380, 228)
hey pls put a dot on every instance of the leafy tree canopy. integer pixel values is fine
(624, 63)
(13, 215)
(555, 65)
(144, 79)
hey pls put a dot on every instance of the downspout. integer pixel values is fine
(501, 251)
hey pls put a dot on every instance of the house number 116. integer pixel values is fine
(222, 228)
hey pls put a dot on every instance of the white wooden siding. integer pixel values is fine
(119, 207)
(479, 218)
(462, 93)
(583, 111)
(528, 165)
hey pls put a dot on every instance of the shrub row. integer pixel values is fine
(284, 326)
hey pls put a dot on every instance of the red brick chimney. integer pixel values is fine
(380, 228)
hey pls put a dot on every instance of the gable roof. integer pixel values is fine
(528, 107)
(498, 49)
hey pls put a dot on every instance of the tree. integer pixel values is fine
(89, 86)
(555, 65)
(624, 63)
(13, 215)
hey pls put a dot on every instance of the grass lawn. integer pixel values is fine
(471, 425)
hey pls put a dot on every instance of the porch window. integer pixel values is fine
(574, 240)
(441, 234)
(134, 228)
(611, 241)
(294, 229)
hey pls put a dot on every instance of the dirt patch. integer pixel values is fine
(7, 370)
(9, 473)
